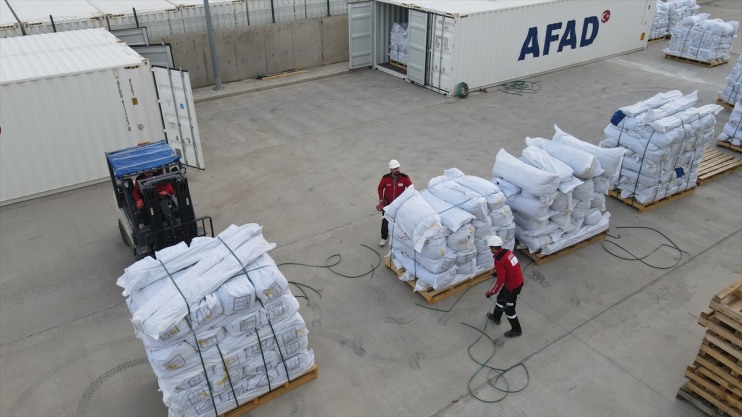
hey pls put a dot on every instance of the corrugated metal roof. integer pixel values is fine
(24, 58)
(30, 11)
(126, 6)
(464, 7)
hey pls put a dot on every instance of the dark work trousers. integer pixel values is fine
(506, 301)
(384, 227)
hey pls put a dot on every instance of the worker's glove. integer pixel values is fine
(489, 294)
(140, 204)
(494, 274)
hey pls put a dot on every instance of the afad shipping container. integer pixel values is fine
(67, 98)
(456, 46)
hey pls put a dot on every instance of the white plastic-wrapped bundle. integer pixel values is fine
(470, 210)
(702, 39)
(398, 40)
(732, 131)
(610, 159)
(665, 141)
(529, 178)
(202, 316)
(583, 164)
(447, 189)
(452, 216)
(660, 21)
(678, 10)
(549, 221)
(413, 270)
(731, 92)
(414, 216)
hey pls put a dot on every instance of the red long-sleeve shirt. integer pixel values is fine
(508, 271)
(390, 188)
(162, 188)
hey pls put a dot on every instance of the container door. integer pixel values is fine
(440, 56)
(179, 114)
(360, 28)
(417, 48)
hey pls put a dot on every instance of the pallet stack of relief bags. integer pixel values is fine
(218, 321)
(438, 235)
(702, 39)
(668, 13)
(732, 94)
(398, 41)
(557, 190)
(732, 90)
(664, 138)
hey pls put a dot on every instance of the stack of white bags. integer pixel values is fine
(664, 137)
(702, 39)
(557, 190)
(678, 10)
(438, 235)
(660, 21)
(214, 336)
(398, 42)
(732, 91)
(732, 131)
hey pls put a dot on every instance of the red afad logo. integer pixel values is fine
(605, 16)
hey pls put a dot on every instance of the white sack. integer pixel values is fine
(585, 165)
(533, 180)
(610, 159)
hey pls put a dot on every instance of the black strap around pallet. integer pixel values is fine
(195, 338)
(273, 331)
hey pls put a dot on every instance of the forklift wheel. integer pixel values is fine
(123, 233)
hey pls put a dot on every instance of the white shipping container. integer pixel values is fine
(457, 45)
(65, 99)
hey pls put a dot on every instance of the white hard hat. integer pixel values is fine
(393, 164)
(494, 241)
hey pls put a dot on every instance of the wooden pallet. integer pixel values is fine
(661, 38)
(697, 62)
(715, 377)
(715, 164)
(275, 393)
(725, 144)
(646, 207)
(397, 64)
(539, 259)
(433, 296)
(728, 106)
(705, 401)
(284, 74)
(729, 301)
(712, 383)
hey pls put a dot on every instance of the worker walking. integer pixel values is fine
(507, 287)
(390, 187)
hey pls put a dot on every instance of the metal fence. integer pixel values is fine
(192, 19)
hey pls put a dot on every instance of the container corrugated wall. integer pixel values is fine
(58, 122)
(488, 45)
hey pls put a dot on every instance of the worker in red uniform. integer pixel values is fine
(507, 287)
(162, 189)
(390, 187)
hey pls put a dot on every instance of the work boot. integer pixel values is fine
(516, 330)
(512, 333)
(382, 243)
(493, 318)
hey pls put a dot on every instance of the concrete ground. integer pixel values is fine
(602, 336)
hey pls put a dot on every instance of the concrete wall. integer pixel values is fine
(267, 49)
